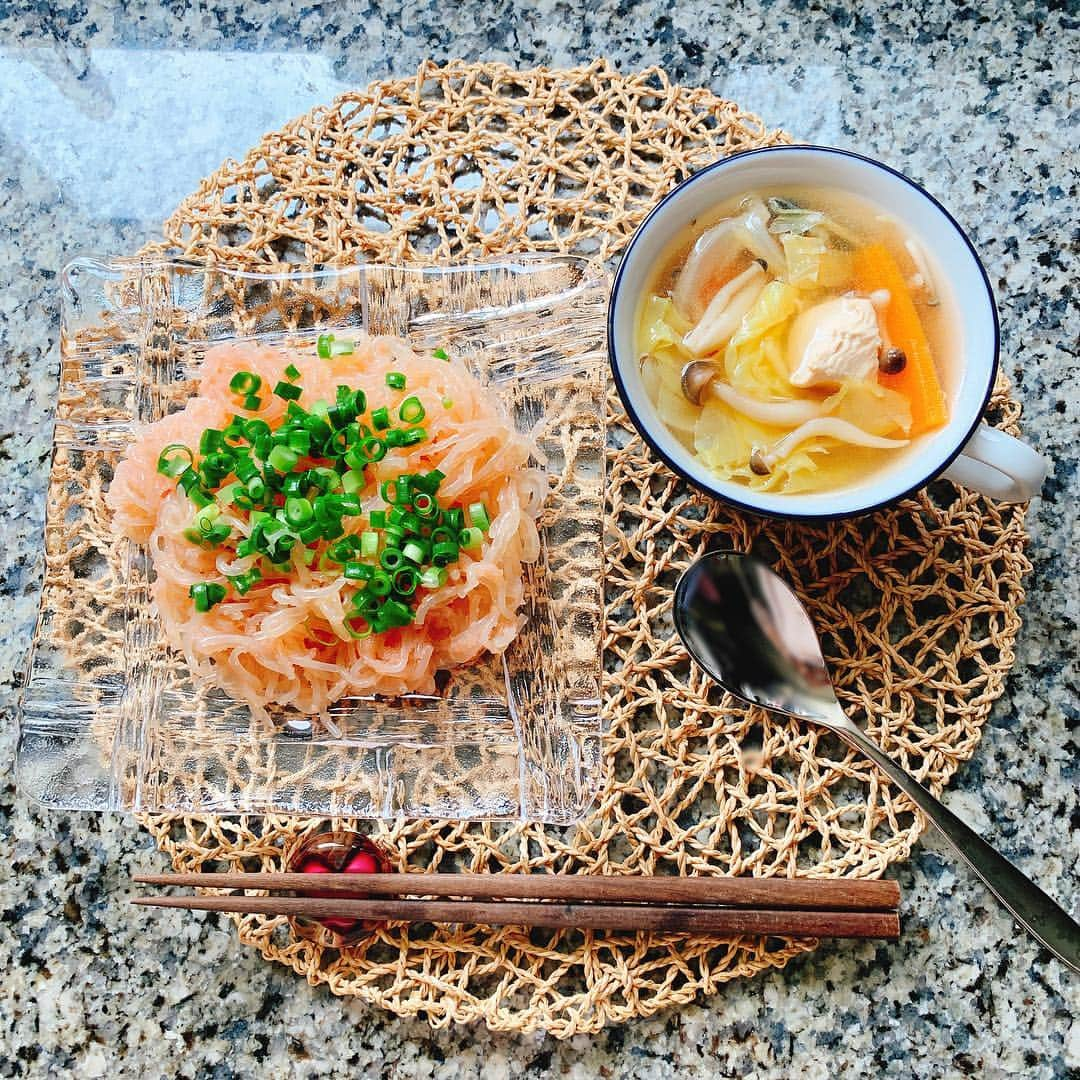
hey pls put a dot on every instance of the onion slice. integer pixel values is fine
(716, 249)
(725, 311)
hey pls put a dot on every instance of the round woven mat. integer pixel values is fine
(916, 606)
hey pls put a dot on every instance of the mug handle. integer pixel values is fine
(999, 466)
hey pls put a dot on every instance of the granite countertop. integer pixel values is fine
(975, 101)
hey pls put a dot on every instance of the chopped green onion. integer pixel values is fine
(283, 459)
(380, 583)
(340, 552)
(245, 383)
(310, 533)
(198, 495)
(300, 441)
(413, 435)
(227, 495)
(478, 516)
(395, 613)
(364, 602)
(298, 512)
(327, 346)
(255, 430)
(211, 441)
(395, 380)
(391, 559)
(253, 403)
(443, 534)
(424, 504)
(355, 459)
(470, 538)
(242, 582)
(434, 577)
(429, 482)
(325, 479)
(287, 391)
(444, 553)
(415, 551)
(175, 459)
(206, 594)
(363, 631)
(378, 519)
(358, 571)
(292, 373)
(369, 544)
(441, 354)
(218, 534)
(406, 580)
(205, 517)
(373, 448)
(411, 411)
(296, 484)
(353, 481)
(338, 443)
(380, 418)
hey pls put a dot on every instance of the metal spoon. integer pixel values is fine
(748, 630)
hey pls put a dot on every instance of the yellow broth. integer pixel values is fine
(824, 463)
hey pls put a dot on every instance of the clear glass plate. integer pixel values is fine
(110, 718)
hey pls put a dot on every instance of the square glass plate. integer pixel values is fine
(110, 717)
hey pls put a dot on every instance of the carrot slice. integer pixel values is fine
(876, 269)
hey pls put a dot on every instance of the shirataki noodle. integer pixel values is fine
(285, 641)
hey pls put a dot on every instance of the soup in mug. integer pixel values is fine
(797, 341)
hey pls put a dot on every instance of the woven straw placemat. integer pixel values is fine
(916, 605)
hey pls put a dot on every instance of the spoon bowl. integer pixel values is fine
(745, 627)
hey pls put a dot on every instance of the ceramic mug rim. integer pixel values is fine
(700, 480)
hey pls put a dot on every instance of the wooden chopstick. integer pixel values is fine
(627, 917)
(777, 893)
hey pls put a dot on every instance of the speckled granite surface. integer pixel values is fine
(974, 100)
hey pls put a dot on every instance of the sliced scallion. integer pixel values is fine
(287, 391)
(470, 538)
(174, 459)
(206, 594)
(478, 516)
(411, 410)
(244, 383)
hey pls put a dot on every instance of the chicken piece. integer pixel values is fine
(833, 342)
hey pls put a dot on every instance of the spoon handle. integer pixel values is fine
(1044, 919)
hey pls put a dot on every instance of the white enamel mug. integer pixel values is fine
(965, 450)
